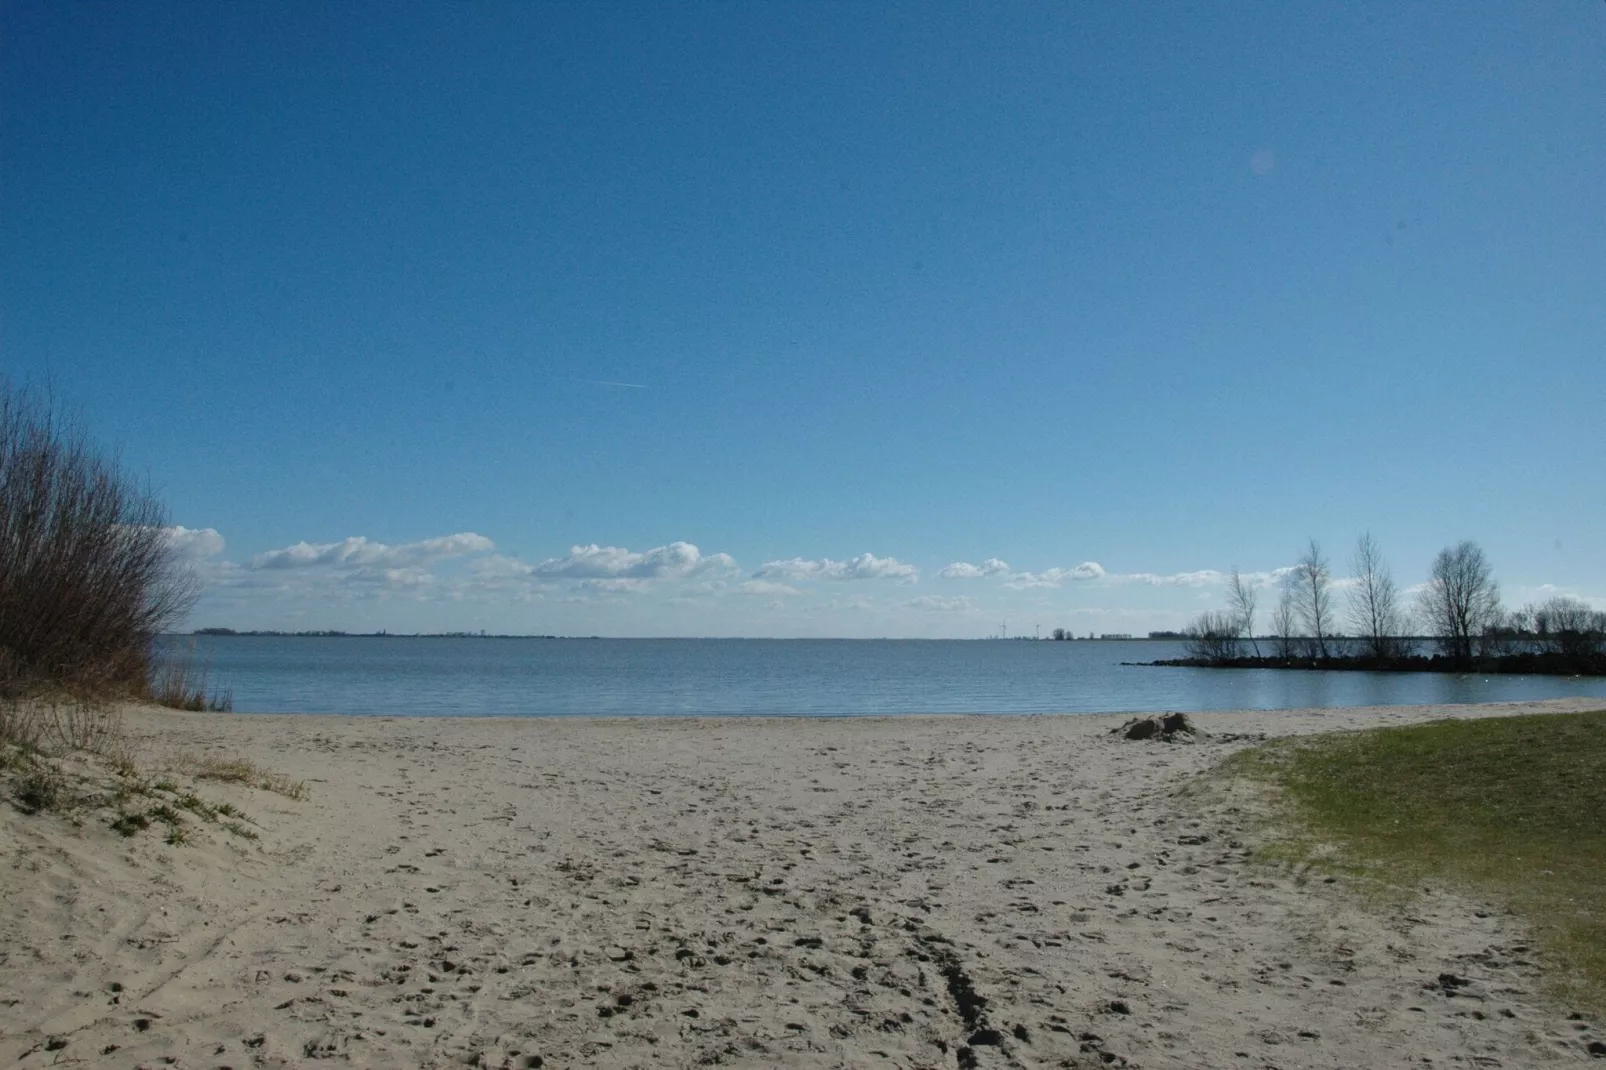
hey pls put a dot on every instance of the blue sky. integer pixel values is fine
(752, 319)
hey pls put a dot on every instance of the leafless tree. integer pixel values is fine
(1461, 599)
(1312, 586)
(1213, 637)
(1241, 605)
(1374, 609)
(1283, 626)
(88, 573)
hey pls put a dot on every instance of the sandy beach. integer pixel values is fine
(899, 892)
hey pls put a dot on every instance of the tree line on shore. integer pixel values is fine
(1459, 609)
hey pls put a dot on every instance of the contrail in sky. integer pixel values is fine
(609, 382)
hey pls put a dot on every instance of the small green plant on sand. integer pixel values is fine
(42, 787)
(127, 824)
(195, 805)
(167, 815)
(1510, 809)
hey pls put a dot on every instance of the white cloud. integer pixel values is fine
(1092, 570)
(938, 604)
(1202, 578)
(1089, 571)
(678, 559)
(718, 563)
(765, 587)
(1544, 592)
(500, 566)
(360, 552)
(1056, 577)
(617, 585)
(195, 542)
(411, 576)
(964, 570)
(863, 567)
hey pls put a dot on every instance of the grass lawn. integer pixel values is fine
(1512, 808)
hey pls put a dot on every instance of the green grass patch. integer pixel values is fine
(1513, 809)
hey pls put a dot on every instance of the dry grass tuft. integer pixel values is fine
(240, 771)
(81, 724)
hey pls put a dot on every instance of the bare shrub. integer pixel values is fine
(59, 723)
(19, 724)
(79, 723)
(88, 573)
(1213, 637)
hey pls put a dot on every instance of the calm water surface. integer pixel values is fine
(650, 677)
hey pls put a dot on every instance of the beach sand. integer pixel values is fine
(898, 892)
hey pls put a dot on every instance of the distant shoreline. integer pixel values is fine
(231, 633)
(1546, 664)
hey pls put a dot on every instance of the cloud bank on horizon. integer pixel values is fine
(464, 581)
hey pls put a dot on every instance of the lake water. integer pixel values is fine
(653, 677)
